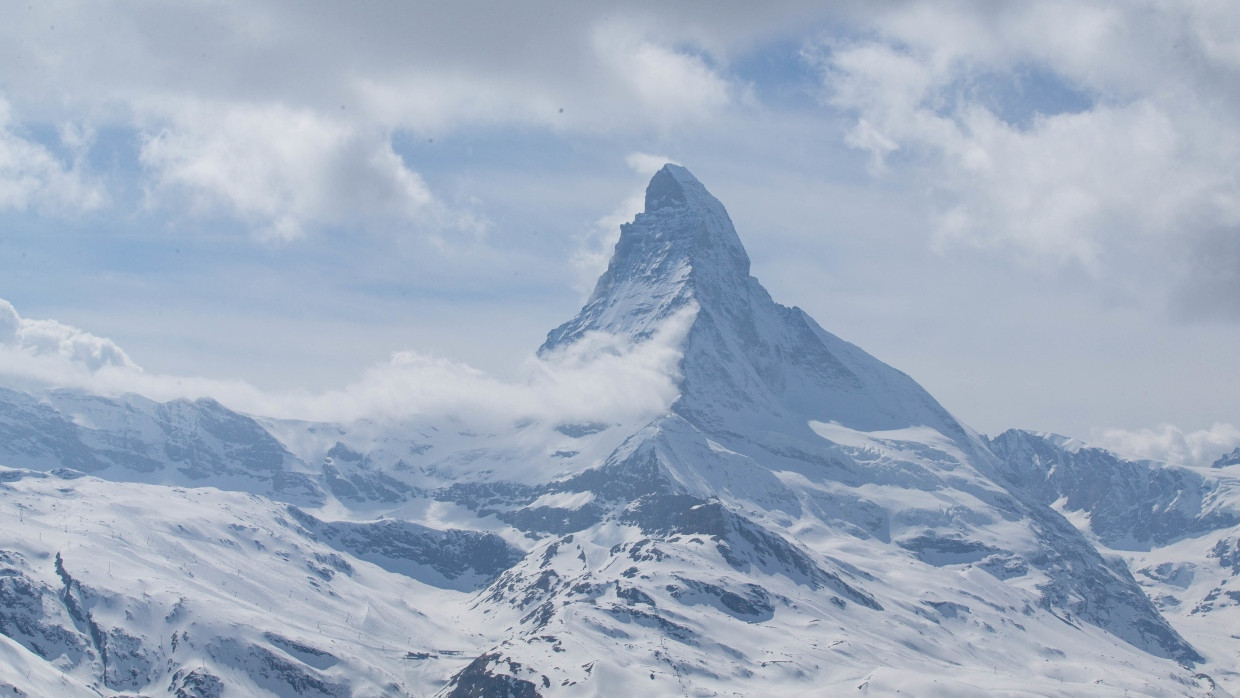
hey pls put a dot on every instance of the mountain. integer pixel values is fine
(1177, 528)
(191, 443)
(799, 518)
(1232, 458)
(748, 362)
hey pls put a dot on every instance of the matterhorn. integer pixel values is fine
(796, 518)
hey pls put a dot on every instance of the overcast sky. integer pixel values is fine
(1032, 208)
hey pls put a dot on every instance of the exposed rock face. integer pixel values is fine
(1131, 505)
(1232, 458)
(182, 442)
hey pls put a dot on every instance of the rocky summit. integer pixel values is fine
(798, 518)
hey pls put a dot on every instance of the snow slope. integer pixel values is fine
(122, 587)
(1177, 528)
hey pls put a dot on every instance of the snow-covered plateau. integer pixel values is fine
(797, 518)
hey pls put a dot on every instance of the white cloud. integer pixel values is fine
(281, 114)
(1171, 444)
(429, 101)
(667, 85)
(600, 377)
(1075, 132)
(1070, 187)
(61, 344)
(32, 177)
(284, 170)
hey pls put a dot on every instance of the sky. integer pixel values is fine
(1031, 208)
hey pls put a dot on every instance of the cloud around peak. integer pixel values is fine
(600, 378)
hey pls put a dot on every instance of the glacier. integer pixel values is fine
(798, 519)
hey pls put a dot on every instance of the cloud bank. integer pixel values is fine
(599, 378)
(1066, 132)
(283, 116)
(1080, 133)
(1170, 444)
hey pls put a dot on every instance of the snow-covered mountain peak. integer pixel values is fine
(1227, 459)
(682, 250)
(668, 188)
(746, 359)
(693, 225)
